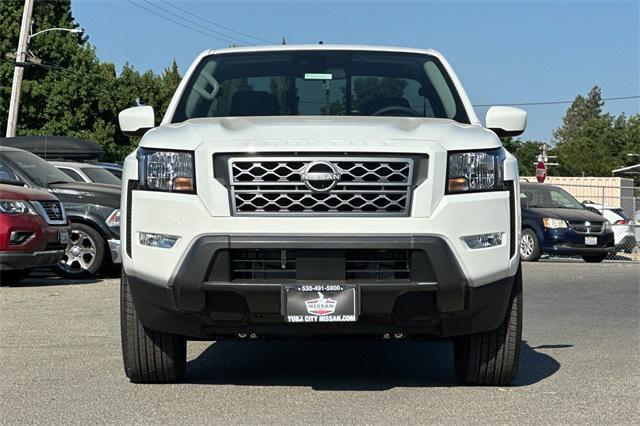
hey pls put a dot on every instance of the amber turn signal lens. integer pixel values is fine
(183, 184)
(458, 184)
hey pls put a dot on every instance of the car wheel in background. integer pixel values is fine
(149, 356)
(13, 277)
(491, 357)
(84, 254)
(594, 258)
(529, 245)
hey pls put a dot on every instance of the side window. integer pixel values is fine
(558, 198)
(6, 173)
(72, 174)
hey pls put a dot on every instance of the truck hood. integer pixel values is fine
(319, 133)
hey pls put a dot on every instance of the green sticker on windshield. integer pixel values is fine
(317, 76)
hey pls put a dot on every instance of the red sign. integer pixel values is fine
(541, 172)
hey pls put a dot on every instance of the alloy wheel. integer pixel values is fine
(80, 253)
(526, 245)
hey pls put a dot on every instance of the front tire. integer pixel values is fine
(491, 357)
(594, 258)
(149, 356)
(529, 246)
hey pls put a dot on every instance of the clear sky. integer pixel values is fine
(503, 51)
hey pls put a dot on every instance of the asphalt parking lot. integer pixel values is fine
(60, 363)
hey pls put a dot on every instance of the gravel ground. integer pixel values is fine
(60, 363)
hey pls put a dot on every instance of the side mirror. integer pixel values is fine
(135, 121)
(506, 121)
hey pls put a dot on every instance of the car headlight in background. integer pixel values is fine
(606, 226)
(475, 171)
(552, 223)
(16, 207)
(172, 171)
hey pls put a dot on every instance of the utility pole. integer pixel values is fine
(18, 71)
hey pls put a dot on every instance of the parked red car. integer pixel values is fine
(34, 231)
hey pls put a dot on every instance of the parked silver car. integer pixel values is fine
(622, 225)
(87, 172)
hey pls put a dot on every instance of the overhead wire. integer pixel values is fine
(229, 38)
(257, 38)
(182, 24)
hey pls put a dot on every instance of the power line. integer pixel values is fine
(216, 24)
(555, 102)
(166, 18)
(229, 38)
(54, 67)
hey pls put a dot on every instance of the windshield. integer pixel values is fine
(100, 175)
(35, 168)
(320, 83)
(544, 196)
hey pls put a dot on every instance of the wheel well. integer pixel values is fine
(88, 222)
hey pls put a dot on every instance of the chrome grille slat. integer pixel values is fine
(583, 228)
(274, 186)
(52, 211)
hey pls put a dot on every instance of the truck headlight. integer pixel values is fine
(552, 223)
(172, 171)
(16, 207)
(475, 171)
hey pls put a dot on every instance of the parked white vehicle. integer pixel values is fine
(319, 189)
(622, 225)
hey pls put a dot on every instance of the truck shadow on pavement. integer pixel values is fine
(355, 366)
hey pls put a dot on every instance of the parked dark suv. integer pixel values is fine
(555, 223)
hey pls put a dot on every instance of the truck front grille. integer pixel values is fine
(308, 186)
(342, 265)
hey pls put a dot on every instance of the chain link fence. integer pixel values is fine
(619, 203)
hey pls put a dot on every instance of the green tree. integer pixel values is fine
(593, 143)
(581, 111)
(525, 151)
(73, 93)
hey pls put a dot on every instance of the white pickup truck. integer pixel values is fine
(318, 190)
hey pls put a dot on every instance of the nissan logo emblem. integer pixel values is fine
(320, 176)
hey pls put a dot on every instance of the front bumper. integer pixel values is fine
(203, 301)
(19, 260)
(569, 242)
